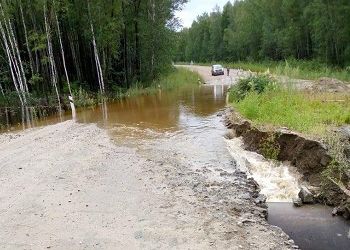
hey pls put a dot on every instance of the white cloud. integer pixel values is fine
(194, 8)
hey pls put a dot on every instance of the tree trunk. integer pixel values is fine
(51, 57)
(2, 90)
(62, 53)
(137, 62)
(9, 57)
(97, 59)
(31, 62)
(22, 73)
(125, 49)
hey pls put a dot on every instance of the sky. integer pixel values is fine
(195, 8)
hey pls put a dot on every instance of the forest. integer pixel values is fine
(274, 30)
(54, 48)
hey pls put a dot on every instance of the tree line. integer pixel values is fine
(52, 47)
(270, 29)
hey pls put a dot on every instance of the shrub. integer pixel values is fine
(83, 99)
(257, 83)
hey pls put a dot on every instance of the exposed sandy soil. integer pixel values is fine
(69, 186)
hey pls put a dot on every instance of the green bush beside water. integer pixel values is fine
(311, 113)
(178, 77)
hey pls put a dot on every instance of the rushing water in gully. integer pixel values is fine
(192, 113)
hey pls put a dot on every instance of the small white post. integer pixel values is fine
(72, 106)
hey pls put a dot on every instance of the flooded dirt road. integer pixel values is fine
(151, 172)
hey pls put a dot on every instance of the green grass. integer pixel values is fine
(300, 111)
(309, 70)
(177, 78)
(298, 69)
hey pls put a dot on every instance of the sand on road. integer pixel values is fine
(70, 186)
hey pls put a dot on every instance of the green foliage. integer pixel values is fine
(273, 30)
(84, 99)
(296, 69)
(311, 113)
(270, 148)
(335, 172)
(257, 84)
(176, 78)
(134, 44)
(36, 80)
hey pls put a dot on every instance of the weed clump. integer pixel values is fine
(270, 148)
(257, 84)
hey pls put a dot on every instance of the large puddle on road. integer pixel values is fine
(186, 122)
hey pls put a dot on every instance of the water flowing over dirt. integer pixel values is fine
(151, 172)
(278, 181)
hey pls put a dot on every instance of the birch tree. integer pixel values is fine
(50, 55)
(94, 46)
(11, 62)
(31, 62)
(62, 53)
(97, 58)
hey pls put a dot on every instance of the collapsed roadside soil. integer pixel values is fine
(69, 186)
(309, 156)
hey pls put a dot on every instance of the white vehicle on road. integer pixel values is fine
(217, 70)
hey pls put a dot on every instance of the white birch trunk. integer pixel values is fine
(23, 76)
(13, 57)
(62, 53)
(51, 58)
(31, 62)
(97, 59)
(9, 57)
(2, 90)
(16, 54)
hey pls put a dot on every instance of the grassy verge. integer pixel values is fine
(268, 104)
(297, 69)
(309, 113)
(309, 70)
(177, 78)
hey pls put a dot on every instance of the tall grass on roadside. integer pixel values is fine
(178, 77)
(305, 112)
(297, 69)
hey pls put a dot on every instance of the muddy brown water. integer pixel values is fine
(186, 120)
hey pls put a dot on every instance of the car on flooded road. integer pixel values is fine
(217, 70)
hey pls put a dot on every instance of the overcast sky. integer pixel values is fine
(195, 8)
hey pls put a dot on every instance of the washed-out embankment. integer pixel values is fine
(310, 158)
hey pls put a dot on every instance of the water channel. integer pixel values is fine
(187, 120)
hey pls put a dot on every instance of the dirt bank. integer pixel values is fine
(68, 186)
(309, 156)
